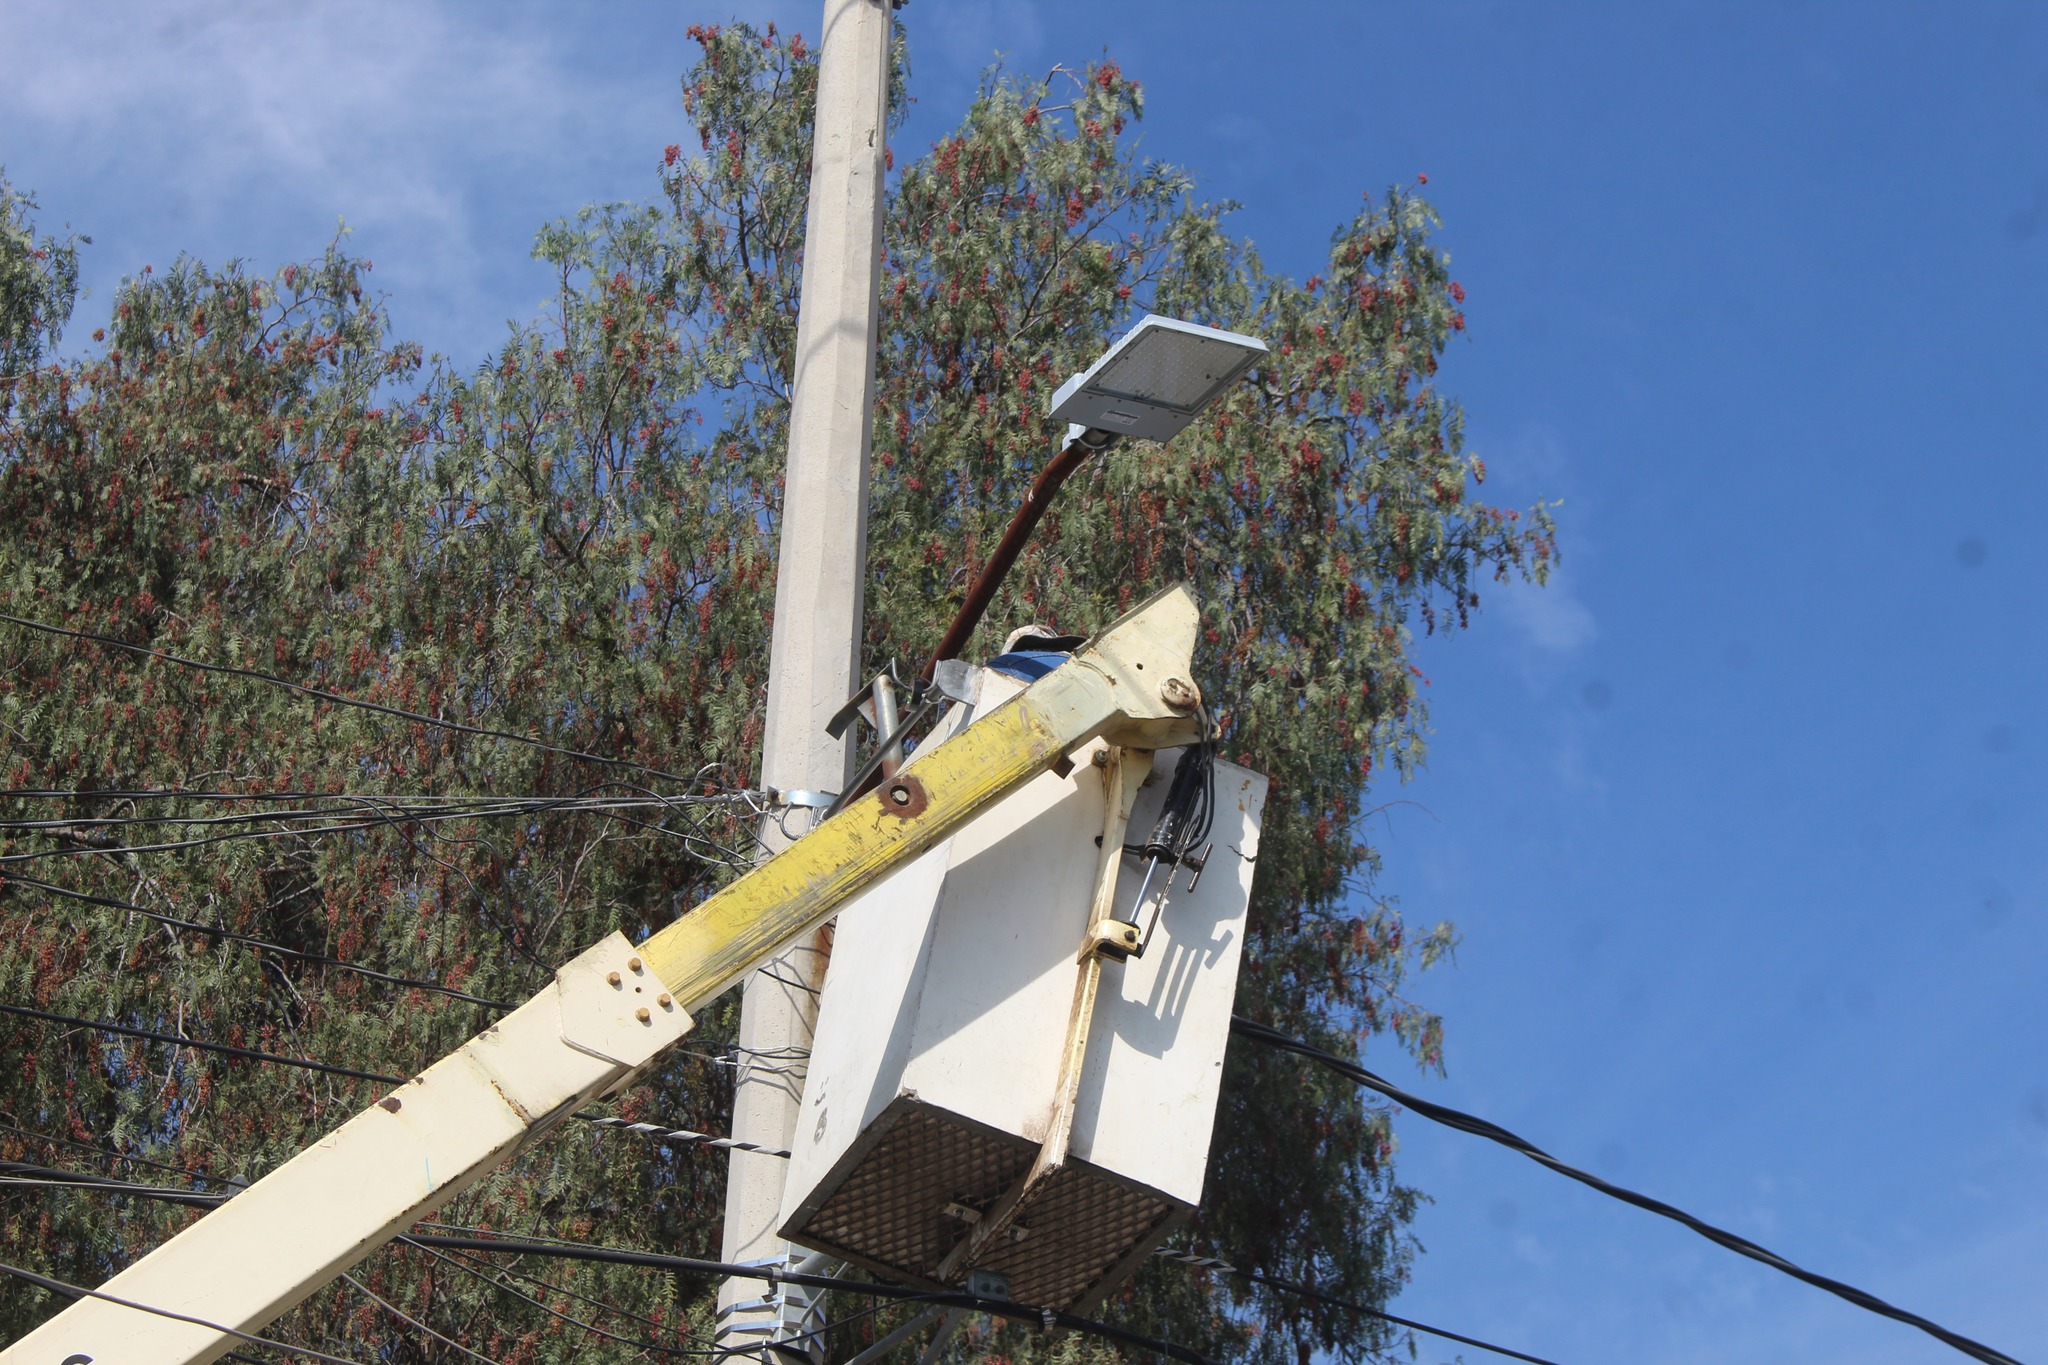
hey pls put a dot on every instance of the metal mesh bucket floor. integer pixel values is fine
(889, 1210)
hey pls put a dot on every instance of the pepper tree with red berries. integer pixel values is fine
(575, 539)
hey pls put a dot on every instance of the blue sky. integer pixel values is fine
(1742, 818)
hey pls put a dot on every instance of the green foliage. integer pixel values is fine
(575, 540)
(38, 286)
(232, 480)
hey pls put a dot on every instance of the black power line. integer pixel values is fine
(20, 1173)
(411, 1321)
(259, 797)
(368, 813)
(538, 805)
(1311, 1292)
(296, 954)
(30, 1174)
(100, 1151)
(225, 1049)
(463, 1263)
(1467, 1123)
(324, 695)
(76, 1292)
(1047, 1318)
(354, 804)
(92, 834)
(656, 1132)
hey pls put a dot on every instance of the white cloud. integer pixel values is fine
(351, 104)
(1553, 621)
(444, 133)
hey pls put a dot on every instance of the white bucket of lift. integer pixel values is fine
(944, 1018)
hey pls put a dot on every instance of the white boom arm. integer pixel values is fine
(609, 1013)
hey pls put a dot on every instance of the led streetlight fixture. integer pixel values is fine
(1156, 379)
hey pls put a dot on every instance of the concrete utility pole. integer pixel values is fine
(819, 578)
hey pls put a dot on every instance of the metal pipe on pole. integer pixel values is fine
(820, 575)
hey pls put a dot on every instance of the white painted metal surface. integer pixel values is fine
(953, 981)
(1156, 379)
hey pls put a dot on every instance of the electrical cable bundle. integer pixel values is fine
(1183, 823)
(446, 1240)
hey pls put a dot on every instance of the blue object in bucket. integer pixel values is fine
(1028, 664)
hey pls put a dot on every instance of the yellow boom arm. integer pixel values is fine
(606, 1018)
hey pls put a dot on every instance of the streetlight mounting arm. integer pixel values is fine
(1075, 453)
